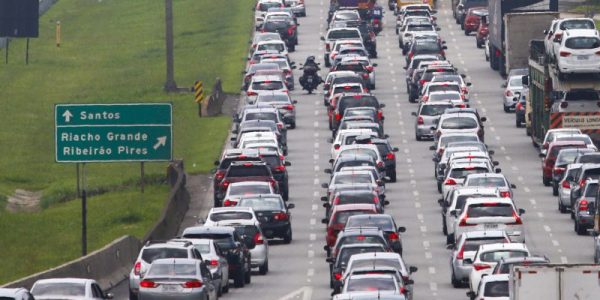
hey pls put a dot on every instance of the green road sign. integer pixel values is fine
(113, 132)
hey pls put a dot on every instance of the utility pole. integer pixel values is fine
(170, 85)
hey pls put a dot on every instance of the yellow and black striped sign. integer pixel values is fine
(198, 91)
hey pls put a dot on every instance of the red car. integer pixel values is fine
(482, 33)
(339, 215)
(473, 18)
(549, 159)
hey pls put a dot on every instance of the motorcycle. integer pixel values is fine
(310, 80)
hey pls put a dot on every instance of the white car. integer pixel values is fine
(256, 137)
(466, 247)
(338, 44)
(237, 190)
(578, 52)
(487, 257)
(555, 33)
(492, 287)
(458, 170)
(365, 61)
(491, 180)
(368, 149)
(456, 98)
(577, 137)
(216, 215)
(564, 187)
(462, 123)
(68, 289)
(551, 135)
(215, 260)
(262, 6)
(491, 214)
(455, 201)
(346, 137)
(267, 83)
(513, 85)
(356, 177)
(335, 34)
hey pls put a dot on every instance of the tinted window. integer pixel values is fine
(434, 110)
(566, 157)
(496, 289)
(242, 171)
(384, 224)
(342, 216)
(576, 95)
(443, 88)
(459, 123)
(203, 248)
(350, 67)
(516, 82)
(151, 254)
(59, 288)
(177, 269)
(371, 284)
(261, 204)
(249, 189)
(354, 163)
(230, 215)
(364, 151)
(261, 116)
(461, 200)
(445, 140)
(267, 85)
(356, 101)
(352, 79)
(585, 139)
(346, 253)
(266, 5)
(273, 98)
(272, 46)
(347, 89)
(589, 159)
(591, 190)
(487, 182)
(427, 46)
(577, 24)
(352, 178)
(223, 240)
(490, 210)
(445, 96)
(591, 173)
(498, 255)
(343, 34)
(473, 244)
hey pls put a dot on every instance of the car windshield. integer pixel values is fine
(262, 204)
(445, 96)
(591, 190)
(267, 85)
(516, 81)
(459, 123)
(352, 178)
(343, 34)
(583, 42)
(353, 51)
(249, 189)
(434, 110)
(151, 254)
(473, 244)
(496, 289)
(272, 46)
(496, 256)
(230, 215)
(346, 253)
(172, 269)
(273, 98)
(577, 24)
(463, 172)
(371, 284)
(346, 16)
(250, 171)
(384, 224)
(59, 288)
(486, 182)
(342, 216)
(491, 209)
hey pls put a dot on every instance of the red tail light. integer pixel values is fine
(403, 291)
(390, 156)
(559, 170)
(450, 181)
(279, 125)
(375, 199)
(425, 98)
(566, 184)
(337, 276)
(148, 284)
(281, 216)
(380, 164)
(272, 182)
(479, 267)
(520, 106)
(336, 147)
(258, 239)
(289, 107)
(137, 268)
(422, 82)
(280, 168)
(228, 202)
(565, 54)
(410, 55)
(193, 284)
(505, 194)
(393, 236)
(598, 53)
(327, 47)
(251, 94)
(291, 30)
(213, 263)
(420, 120)
(518, 220)
(225, 184)
(338, 116)
(583, 205)
(582, 183)
(375, 21)
(336, 200)
(461, 252)
(463, 222)
(370, 69)
(380, 115)
(219, 175)
(365, 76)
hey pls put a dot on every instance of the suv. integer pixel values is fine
(286, 27)
(230, 155)
(491, 214)
(278, 165)
(231, 245)
(154, 250)
(549, 158)
(584, 207)
(239, 171)
(577, 52)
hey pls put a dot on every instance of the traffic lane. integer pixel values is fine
(548, 231)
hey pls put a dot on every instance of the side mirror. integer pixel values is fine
(375, 65)
(327, 171)
(331, 161)
(401, 229)
(288, 164)
(445, 47)
(414, 113)
(433, 128)
(468, 84)
(512, 185)
(454, 213)
(410, 281)
(329, 260)
(322, 38)
(432, 148)
(495, 163)
(438, 29)
(382, 105)
(521, 211)
(324, 199)
(293, 67)
(330, 140)
(326, 205)
(498, 170)
(435, 159)
(386, 136)
(492, 152)
(395, 149)
(471, 294)
(483, 119)
(441, 202)
(325, 185)
(235, 131)
(405, 67)
(294, 101)
(463, 75)
(324, 221)
(291, 205)
(326, 248)
(503, 85)
(545, 31)
(412, 269)
(386, 203)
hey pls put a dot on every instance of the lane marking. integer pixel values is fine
(315, 207)
(547, 228)
(417, 205)
(311, 253)
(312, 237)
(313, 221)
(426, 244)
(555, 243)
(433, 286)
(423, 228)
(431, 270)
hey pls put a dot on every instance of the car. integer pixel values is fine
(513, 88)
(491, 214)
(281, 101)
(278, 46)
(454, 97)
(441, 163)
(240, 171)
(266, 83)
(264, 36)
(68, 289)
(405, 36)
(389, 158)
(564, 158)
(493, 180)
(552, 133)
(15, 294)
(564, 186)
(183, 277)
(231, 244)
(286, 27)
(217, 215)
(549, 158)
(368, 296)
(587, 157)
(284, 66)
(586, 172)
(339, 262)
(456, 78)
(505, 265)
(339, 216)
(492, 287)
(520, 109)
(254, 68)
(577, 137)
(153, 250)
(337, 45)
(461, 123)
(556, 30)
(425, 47)
(369, 67)
(442, 141)
(254, 239)
(439, 86)
(482, 32)
(455, 201)
(354, 196)
(487, 257)
(362, 235)
(215, 262)
(348, 100)
(297, 7)
(385, 223)
(457, 171)
(368, 149)
(262, 6)
(237, 190)
(272, 213)
(465, 248)
(227, 157)
(473, 19)
(584, 207)
(577, 52)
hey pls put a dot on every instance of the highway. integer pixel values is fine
(299, 270)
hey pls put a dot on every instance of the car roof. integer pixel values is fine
(206, 229)
(478, 200)
(353, 206)
(581, 33)
(66, 280)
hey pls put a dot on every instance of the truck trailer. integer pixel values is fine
(555, 282)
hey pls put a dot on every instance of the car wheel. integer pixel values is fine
(554, 189)
(288, 236)
(450, 239)
(293, 125)
(577, 228)
(238, 281)
(467, 32)
(373, 86)
(462, 26)
(506, 109)
(393, 176)
(292, 48)
(220, 291)
(546, 181)
(286, 195)
(455, 283)
(444, 227)
(264, 269)
(248, 275)
(561, 208)
(418, 137)
(132, 296)
(439, 186)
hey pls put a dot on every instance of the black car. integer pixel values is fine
(240, 171)
(385, 223)
(355, 196)
(231, 245)
(273, 215)
(286, 27)
(278, 165)
(413, 85)
(389, 158)
(229, 156)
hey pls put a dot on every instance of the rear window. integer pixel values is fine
(516, 81)
(352, 178)
(343, 34)
(350, 67)
(427, 46)
(225, 163)
(487, 182)
(261, 116)
(589, 159)
(591, 173)
(462, 199)
(272, 46)
(473, 244)
(463, 172)
(444, 87)
(347, 89)
(346, 253)
(394, 263)
(353, 51)
(445, 140)
(223, 240)
(566, 157)
(230, 215)
(273, 98)
(272, 161)
(445, 96)
(249, 189)
(459, 123)
(505, 268)
(151, 254)
(266, 5)
(342, 216)
(371, 284)
(348, 79)
(363, 151)
(434, 110)
(174, 269)
(59, 288)
(357, 101)
(384, 224)
(250, 171)
(354, 163)
(267, 85)
(586, 139)
(496, 289)
(585, 95)
(262, 204)
(592, 190)
(577, 24)
(496, 256)
(490, 210)
(248, 230)
(420, 28)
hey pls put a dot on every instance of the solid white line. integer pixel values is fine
(313, 221)
(316, 156)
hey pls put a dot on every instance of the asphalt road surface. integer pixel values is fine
(299, 270)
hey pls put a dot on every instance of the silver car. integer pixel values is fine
(428, 114)
(215, 261)
(466, 247)
(564, 187)
(68, 289)
(297, 7)
(178, 278)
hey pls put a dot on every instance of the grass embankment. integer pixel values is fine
(111, 51)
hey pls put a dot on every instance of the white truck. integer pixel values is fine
(555, 282)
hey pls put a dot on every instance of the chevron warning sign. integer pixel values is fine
(198, 91)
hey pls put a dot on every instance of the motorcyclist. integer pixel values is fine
(310, 68)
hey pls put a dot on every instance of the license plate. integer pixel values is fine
(169, 288)
(582, 57)
(490, 226)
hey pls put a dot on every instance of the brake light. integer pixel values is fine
(281, 216)
(338, 116)
(583, 205)
(337, 276)
(228, 202)
(225, 184)
(289, 107)
(463, 222)
(393, 236)
(461, 252)
(137, 268)
(193, 284)
(505, 194)
(291, 30)
(380, 115)
(425, 98)
(280, 168)
(380, 164)
(581, 183)
(375, 21)
(518, 220)
(479, 267)
(280, 125)
(370, 69)
(565, 54)
(213, 263)
(566, 184)
(148, 284)
(519, 106)
(375, 199)
(327, 47)
(410, 55)
(336, 147)
(272, 182)
(422, 81)
(597, 52)
(336, 200)
(390, 156)
(450, 181)
(365, 76)
(559, 170)
(258, 239)
(420, 120)
(403, 291)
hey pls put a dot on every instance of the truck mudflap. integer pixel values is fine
(587, 122)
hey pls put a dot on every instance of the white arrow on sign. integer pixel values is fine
(303, 293)
(160, 141)
(67, 115)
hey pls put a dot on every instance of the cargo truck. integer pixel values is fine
(512, 24)
(546, 90)
(555, 282)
